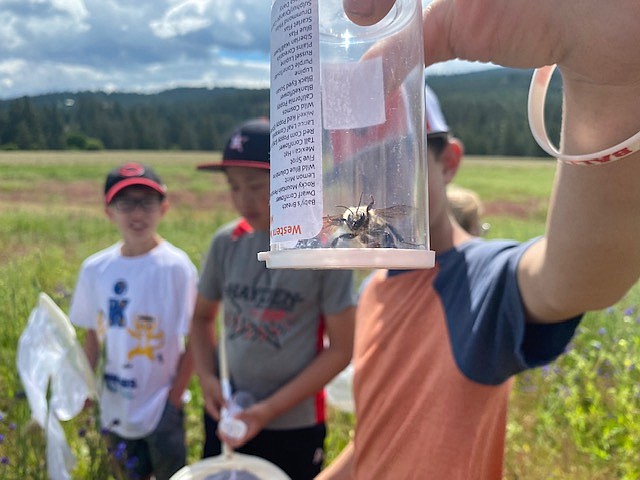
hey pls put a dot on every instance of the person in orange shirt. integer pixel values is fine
(436, 350)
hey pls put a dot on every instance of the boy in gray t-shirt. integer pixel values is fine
(276, 323)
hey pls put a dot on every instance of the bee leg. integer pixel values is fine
(397, 237)
(309, 243)
(347, 236)
(380, 238)
(389, 240)
(371, 241)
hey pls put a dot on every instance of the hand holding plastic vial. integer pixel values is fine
(229, 425)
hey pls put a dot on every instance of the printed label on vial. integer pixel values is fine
(296, 122)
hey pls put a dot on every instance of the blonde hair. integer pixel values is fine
(466, 207)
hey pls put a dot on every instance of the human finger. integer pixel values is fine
(593, 43)
(366, 12)
(212, 407)
(512, 33)
(213, 400)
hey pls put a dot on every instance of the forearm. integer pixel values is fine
(341, 467)
(323, 368)
(590, 256)
(202, 343)
(92, 348)
(308, 382)
(202, 338)
(183, 376)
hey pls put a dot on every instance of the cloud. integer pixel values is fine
(182, 19)
(142, 46)
(146, 45)
(239, 24)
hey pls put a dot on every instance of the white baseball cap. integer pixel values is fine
(434, 117)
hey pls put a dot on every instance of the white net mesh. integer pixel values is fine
(236, 466)
(232, 475)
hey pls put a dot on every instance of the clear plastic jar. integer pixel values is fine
(348, 160)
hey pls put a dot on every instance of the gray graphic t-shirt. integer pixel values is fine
(273, 317)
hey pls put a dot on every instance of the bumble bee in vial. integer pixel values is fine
(365, 226)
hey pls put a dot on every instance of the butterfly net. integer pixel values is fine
(236, 466)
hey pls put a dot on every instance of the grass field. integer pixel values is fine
(577, 419)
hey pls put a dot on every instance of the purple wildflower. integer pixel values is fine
(120, 450)
(131, 463)
(602, 331)
(1, 438)
(4, 461)
(630, 311)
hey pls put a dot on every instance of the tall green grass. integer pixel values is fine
(577, 419)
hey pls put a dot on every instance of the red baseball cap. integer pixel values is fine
(130, 174)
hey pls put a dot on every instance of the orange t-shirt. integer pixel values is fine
(434, 356)
(445, 427)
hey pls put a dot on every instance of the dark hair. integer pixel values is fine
(436, 142)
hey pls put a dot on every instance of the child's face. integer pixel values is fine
(250, 194)
(137, 211)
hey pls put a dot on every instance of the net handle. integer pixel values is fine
(225, 384)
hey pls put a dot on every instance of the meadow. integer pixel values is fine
(578, 418)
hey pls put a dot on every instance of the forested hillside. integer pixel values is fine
(486, 109)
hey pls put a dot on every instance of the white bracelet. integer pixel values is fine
(537, 96)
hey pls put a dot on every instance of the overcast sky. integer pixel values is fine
(136, 45)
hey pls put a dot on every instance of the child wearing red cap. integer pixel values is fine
(136, 299)
(288, 332)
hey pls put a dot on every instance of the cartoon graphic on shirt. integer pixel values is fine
(116, 312)
(117, 306)
(150, 338)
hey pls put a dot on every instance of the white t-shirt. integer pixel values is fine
(141, 308)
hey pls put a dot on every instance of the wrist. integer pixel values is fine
(175, 398)
(205, 376)
(596, 117)
(592, 121)
(267, 411)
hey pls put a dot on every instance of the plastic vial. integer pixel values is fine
(229, 424)
(348, 161)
